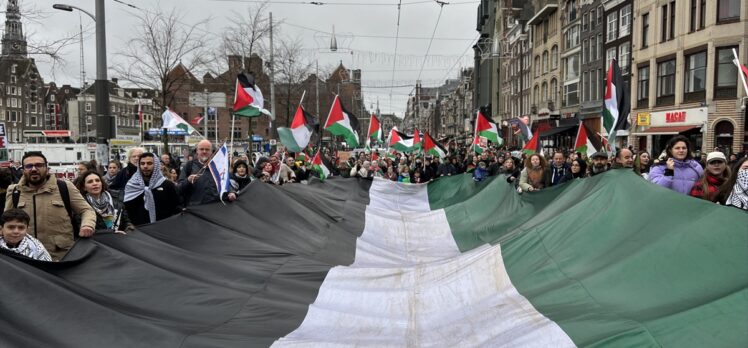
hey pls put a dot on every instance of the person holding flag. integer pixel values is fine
(197, 188)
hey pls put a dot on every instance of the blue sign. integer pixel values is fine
(256, 138)
(156, 131)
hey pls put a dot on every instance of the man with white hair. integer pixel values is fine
(195, 182)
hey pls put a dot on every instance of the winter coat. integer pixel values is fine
(123, 176)
(446, 169)
(202, 191)
(554, 176)
(166, 200)
(525, 184)
(681, 179)
(50, 223)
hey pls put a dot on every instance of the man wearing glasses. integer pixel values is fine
(43, 197)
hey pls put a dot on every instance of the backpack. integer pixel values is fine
(65, 195)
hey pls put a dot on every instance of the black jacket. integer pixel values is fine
(124, 175)
(167, 204)
(555, 176)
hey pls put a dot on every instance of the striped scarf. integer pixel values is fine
(136, 186)
(739, 195)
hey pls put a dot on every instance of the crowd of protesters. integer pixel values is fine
(42, 215)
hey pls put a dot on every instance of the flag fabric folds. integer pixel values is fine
(617, 103)
(172, 121)
(742, 70)
(587, 142)
(532, 146)
(220, 170)
(487, 129)
(417, 141)
(375, 129)
(523, 127)
(341, 122)
(376, 263)
(320, 167)
(248, 99)
(296, 138)
(431, 147)
(400, 141)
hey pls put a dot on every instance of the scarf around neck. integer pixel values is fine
(136, 186)
(104, 207)
(739, 195)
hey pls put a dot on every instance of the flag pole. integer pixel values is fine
(740, 71)
(233, 122)
(302, 97)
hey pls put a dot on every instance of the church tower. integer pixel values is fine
(13, 42)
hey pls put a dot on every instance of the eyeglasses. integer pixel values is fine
(31, 166)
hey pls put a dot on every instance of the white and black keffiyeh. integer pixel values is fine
(739, 195)
(136, 186)
(30, 247)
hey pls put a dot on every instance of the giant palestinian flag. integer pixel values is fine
(341, 122)
(616, 109)
(355, 262)
(297, 137)
(248, 99)
(400, 141)
(431, 147)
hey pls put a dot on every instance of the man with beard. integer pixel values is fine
(195, 182)
(149, 197)
(599, 163)
(50, 204)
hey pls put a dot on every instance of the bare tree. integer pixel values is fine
(162, 43)
(248, 33)
(292, 68)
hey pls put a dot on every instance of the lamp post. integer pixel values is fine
(104, 125)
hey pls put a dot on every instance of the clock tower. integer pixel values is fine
(13, 42)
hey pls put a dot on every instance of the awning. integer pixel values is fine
(554, 131)
(667, 130)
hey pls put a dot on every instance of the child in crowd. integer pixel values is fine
(14, 237)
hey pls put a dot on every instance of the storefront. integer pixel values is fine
(653, 130)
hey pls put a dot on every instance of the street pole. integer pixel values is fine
(272, 76)
(205, 113)
(104, 123)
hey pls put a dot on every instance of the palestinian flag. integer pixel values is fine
(375, 263)
(532, 146)
(417, 142)
(342, 123)
(617, 105)
(477, 146)
(297, 137)
(375, 155)
(248, 100)
(320, 167)
(391, 154)
(431, 147)
(375, 129)
(586, 142)
(487, 129)
(400, 141)
(743, 70)
(173, 122)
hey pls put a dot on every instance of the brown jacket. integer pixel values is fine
(54, 228)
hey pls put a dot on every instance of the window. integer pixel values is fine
(572, 67)
(599, 46)
(591, 14)
(13, 68)
(535, 95)
(672, 20)
(88, 107)
(52, 98)
(695, 72)
(663, 24)
(593, 49)
(572, 37)
(692, 26)
(13, 102)
(554, 57)
(612, 27)
(13, 90)
(599, 14)
(5, 116)
(702, 14)
(625, 14)
(610, 54)
(554, 90)
(726, 78)
(13, 116)
(585, 86)
(545, 61)
(33, 108)
(12, 78)
(624, 55)
(728, 10)
(585, 51)
(537, 66)
(584, 22)
(34, 120)
(645, 30)
(642, 84)
(570, 94)
(545, 93)
(666, 79)
(571, 11)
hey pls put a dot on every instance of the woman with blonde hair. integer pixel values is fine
(532, 177)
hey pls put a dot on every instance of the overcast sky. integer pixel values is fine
(356, 25)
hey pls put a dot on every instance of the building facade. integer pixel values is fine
(21, 86)
(592, 70)
(685, 80)
(546, 63)
(617, 35)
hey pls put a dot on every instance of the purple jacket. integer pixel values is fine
(685, 174)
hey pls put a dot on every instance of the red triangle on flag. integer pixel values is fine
(298, 118)
(242, 99)
(336, 113)
(416, 137)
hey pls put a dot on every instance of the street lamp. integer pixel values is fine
(104, 124)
